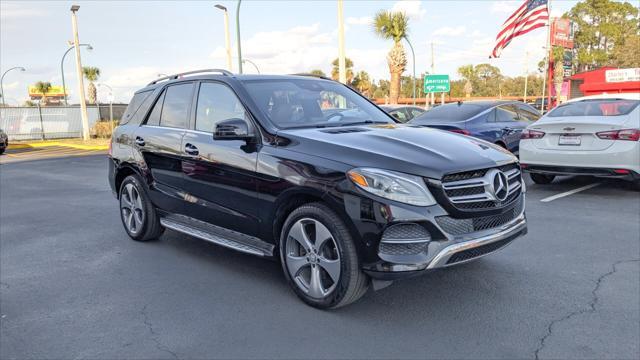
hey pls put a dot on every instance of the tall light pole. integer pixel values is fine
(238, 36)
(64, 86)
(110, 104)
(252, 63)
(342, 63)
(2, 79)
(413, 80)
(76, 44)
(227, 40)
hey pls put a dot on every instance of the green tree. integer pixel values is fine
(43, 87)
(627, 54)
(91, 74)
(602, 25)
(362, 82)
(335, 70)
(557, 55)
(29, 103)
(318, 72)
(393, 26)
(468, 72)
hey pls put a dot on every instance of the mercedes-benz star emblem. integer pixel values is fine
(500, 186)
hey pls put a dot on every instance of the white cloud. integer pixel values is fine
(477, 34)
(364, 20)
(18, 11)
(412, 8)
(450, 31)
(506, 7)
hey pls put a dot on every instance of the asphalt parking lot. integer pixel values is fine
(72, 285)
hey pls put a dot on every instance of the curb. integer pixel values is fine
(55, 143)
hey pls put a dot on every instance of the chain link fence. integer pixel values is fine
(52, 122)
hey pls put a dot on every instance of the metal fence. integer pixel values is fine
(42, 123)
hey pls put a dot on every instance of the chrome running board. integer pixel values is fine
(217, 235)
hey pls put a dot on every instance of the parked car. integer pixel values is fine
(403, 113)
(537, 104)
(498, 122)
(595, 135)
(4, 141)
(343, 197)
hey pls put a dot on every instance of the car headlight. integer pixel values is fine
(404, 188)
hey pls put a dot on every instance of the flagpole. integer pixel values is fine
(547, 57)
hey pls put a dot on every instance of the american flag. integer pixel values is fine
(529, 16)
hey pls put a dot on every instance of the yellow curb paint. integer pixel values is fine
(55, 143)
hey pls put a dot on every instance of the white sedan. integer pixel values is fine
(595, 135)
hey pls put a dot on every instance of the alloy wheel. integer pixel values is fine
(312, 258)
(131, 209)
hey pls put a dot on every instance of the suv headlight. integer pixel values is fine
(404, 188)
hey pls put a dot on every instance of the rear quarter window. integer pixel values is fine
(596, 107)
(133, 113)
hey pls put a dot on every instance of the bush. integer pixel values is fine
(102, 129)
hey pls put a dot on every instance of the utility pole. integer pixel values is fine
(526, 74)
(238, 37)
(548, 57)
(76, 44)
(433, 71)
(227, 40)
(342, 65)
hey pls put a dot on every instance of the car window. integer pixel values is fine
(134, 105)
(217, 102)
(595, 107)
(506, 113)
(399, 114)
(453, 112)
(175, 110)
(415, 112)
(528, 114)
(154, 117)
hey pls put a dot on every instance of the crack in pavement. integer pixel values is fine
(591, 306)
(154, 337)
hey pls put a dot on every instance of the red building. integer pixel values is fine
(605, 80)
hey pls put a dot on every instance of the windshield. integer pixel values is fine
(292, 103)
(595, 107)
(451, 113)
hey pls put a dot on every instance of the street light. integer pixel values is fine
(64, 86)
(76, 44)
(2, 79)
(227, 40)
(238, 36)
(110, 104)
(413, 79)
(252, 63)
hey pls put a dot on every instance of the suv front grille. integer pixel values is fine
(474, 190)
(455, 226)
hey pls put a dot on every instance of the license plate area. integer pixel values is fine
(569, 140)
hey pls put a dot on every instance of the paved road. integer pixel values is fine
(72, 285)
(48, 152)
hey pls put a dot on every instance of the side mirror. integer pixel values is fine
(232, 129)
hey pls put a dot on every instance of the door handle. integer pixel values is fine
(139, 141)
(191, 149)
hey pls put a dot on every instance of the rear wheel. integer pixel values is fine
(319, 258)
(137, 213)
(542, 178)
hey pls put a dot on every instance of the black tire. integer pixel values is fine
(150, 227)
(352, 283)
(2, 151)
(542, 179)
(635, 185)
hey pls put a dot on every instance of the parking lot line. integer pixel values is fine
(570, 192)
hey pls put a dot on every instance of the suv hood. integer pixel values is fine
(414, 150)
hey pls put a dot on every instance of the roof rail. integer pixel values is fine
(313, 75)
(176, 76)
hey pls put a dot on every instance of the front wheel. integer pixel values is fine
(319, 258)
(137, 213)
(542, 178)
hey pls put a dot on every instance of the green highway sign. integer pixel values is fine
(436, 83)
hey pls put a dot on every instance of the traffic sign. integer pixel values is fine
(436, 83)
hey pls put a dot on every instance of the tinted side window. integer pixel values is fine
(506, 113)
(528, 114)
(175, 110)
(217, 102)
(415, 112)
(134, 105)
(154, 117)
(399, 114)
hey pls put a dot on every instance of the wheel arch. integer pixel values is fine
(124, 170)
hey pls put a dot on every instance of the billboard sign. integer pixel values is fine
(562, 33)
(436, 83)
(56, 91)
(622, 75)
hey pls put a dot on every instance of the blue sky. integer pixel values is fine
(136, 40)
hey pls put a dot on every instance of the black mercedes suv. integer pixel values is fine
(307, 171)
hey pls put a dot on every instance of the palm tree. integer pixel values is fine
(91, 74)
(395, 26)
(335, 70)
(362, 82)
(43, 87)
(558, 70)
